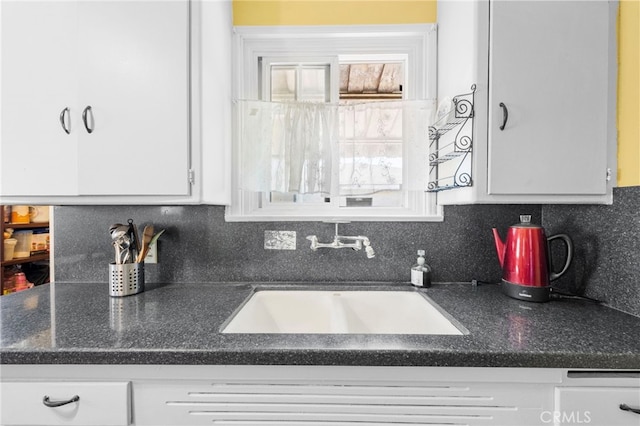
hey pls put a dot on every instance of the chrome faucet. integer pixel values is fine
(339, 242)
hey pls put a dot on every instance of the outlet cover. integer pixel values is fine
(280, 240)
(152, 255)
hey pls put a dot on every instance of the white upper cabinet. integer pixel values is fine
(553, 83)
(544, 125)
(134, 74)
(100, 102)
(39, 97)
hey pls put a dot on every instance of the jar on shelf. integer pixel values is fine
(20, 282)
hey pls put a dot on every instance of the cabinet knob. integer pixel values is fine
(46, 401)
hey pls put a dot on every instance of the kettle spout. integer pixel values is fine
(499, 246)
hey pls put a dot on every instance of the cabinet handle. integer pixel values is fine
(625, 407)
(85, 118)
(505, 115)
(49, 403)
(63, 123)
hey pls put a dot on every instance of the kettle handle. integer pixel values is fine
(564, 237)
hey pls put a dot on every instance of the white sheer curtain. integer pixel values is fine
(287, 146)
(384, 146)
(350, 149)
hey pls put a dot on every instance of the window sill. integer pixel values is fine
(353, 215)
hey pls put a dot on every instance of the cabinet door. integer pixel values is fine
(134, 74)
(295, 401)
(549, 67)
(37, 156)
(596, 406)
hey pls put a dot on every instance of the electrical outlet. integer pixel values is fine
(152, 255)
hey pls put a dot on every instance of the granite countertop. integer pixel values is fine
(70, 323)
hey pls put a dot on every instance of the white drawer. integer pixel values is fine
(105, 404)
(596, 406)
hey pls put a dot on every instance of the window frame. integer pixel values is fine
(250, 43)
(327, 61)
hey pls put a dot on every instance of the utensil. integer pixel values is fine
(132, 233)
(153, 241)
(133, 230)
(124, 243)
(115, 245)
(118, 231)
(147, 235)
(114, 227)
(526, 263)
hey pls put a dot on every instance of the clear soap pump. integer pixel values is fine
(421, 272)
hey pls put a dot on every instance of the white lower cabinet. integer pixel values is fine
(250, 395)
(303, 402)
(65, 403)
(596, 406)
(342, 396)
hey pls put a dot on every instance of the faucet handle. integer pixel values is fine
(369, 251)
(314, 241)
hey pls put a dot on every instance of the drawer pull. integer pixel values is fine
(85, 119)
(505, 115)
(63, 123)
(625, 407)
(49, 403)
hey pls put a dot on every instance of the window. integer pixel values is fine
(362, 91)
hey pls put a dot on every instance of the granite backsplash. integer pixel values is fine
(606, 261)
(199, 246)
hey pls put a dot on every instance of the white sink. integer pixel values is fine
(340, 312)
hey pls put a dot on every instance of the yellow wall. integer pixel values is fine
(332, 12)
(629, 93)
(351, 12)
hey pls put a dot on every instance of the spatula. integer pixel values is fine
(147, 235)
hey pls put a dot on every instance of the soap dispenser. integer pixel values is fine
(421, 272)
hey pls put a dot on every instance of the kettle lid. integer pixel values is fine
(525, 222)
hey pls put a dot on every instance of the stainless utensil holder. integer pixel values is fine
(126, 279)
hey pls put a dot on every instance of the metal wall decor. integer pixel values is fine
(451, 141)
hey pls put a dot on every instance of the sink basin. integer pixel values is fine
(341, 312)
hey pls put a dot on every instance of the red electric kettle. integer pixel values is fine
(526, 263)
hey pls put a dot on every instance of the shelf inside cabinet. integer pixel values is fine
(26, 225)
(451, 141)
(30, 259)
